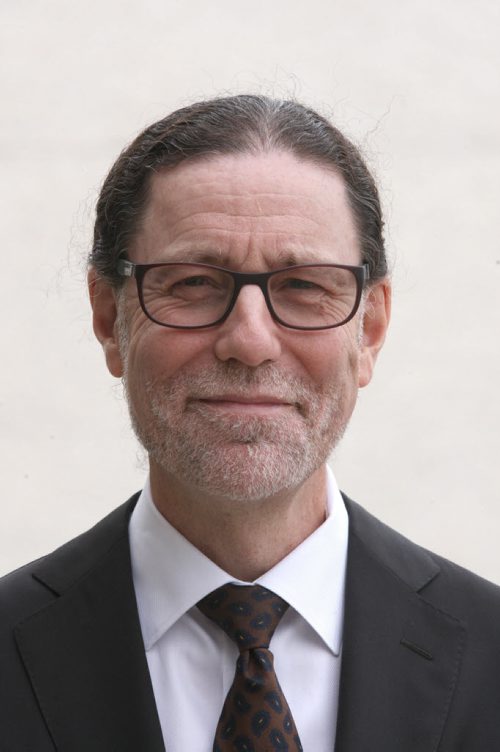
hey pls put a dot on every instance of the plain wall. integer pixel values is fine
(416, 84)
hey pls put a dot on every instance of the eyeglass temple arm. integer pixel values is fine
(125, 268)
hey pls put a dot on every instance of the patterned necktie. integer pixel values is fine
(255, 716)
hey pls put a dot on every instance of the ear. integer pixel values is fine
(104, 319)
(377, 312)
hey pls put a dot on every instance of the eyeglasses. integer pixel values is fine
(194, 296)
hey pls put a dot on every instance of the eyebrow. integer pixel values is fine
(292, 258)
(219, 258)
(197, 256)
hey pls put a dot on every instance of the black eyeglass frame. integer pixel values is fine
(361, 273)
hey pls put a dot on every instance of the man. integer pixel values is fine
(239, 288)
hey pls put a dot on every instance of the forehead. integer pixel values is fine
(272, 206)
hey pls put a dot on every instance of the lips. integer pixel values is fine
(247, 404)
(247, 399)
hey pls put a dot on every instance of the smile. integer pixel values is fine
(246, 404)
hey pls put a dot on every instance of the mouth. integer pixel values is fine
(247, 404)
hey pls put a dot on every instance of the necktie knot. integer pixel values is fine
(248, 614)
(255, 716)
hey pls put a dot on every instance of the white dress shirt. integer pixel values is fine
(170, 576)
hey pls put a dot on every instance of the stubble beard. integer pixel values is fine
(239, 458)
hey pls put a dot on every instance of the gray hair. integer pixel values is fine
(242, 124)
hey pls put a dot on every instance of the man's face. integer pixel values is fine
(247, 408)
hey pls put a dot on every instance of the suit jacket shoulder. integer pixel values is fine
(456, 588)
(420, 659)
(74, 671)
(20, 591)
(421, 655)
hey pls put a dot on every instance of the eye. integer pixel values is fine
(295, 283)
(196, 287)
(197, 281)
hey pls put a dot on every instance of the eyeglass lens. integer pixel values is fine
(191, 296)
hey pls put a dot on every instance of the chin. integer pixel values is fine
(240, 472)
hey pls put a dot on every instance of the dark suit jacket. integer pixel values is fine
(420, 666)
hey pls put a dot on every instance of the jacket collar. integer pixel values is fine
(85, 657)
(84, 653)
(401, 654)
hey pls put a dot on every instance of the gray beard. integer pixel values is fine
(239, 458)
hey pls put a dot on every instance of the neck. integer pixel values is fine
(246, 539)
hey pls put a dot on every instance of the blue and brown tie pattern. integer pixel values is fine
(255, 716)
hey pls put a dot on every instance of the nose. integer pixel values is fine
(249, 334)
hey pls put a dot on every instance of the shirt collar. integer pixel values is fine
(171, 575)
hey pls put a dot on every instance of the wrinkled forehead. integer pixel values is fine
(272, 200)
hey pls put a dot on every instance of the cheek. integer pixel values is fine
(330, 355)
(155, 352)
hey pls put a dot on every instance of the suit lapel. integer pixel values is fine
(401, 655)
(84, 652)
(85, 657)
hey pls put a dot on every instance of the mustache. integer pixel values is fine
(235, 378)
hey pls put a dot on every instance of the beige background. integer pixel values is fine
(416, 83)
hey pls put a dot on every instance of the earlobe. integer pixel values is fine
(104, 319)
(376, 316)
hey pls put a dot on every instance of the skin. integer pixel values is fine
(248, 213)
